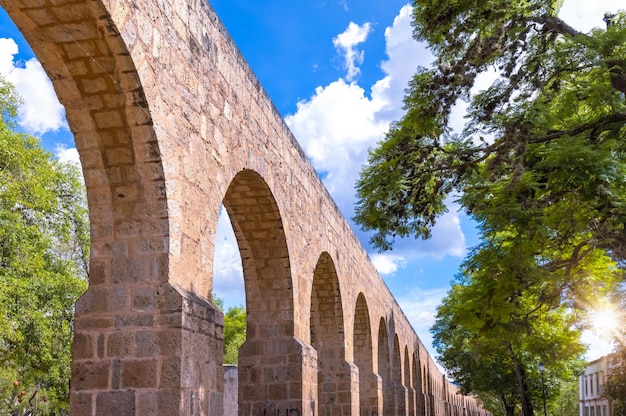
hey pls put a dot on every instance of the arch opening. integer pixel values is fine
(384, 369)
(397, 379)
(272, 362)
(334, 387)
(364, 359)
(408, 383)
(95, 79)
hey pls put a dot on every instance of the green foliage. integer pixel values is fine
(556, 89)
(540, 165)
(234, 333)
(616, 386)
(567, 403)
(234, 330)
(44, 244)
(491, 345)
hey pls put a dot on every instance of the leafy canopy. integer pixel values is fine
(555, 89)
(539, 164)
(44, 248)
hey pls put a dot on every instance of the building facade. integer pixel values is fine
(592, 385)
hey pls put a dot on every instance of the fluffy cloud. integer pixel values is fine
(336, 127)
(346, 43)
(338, 124)
(41, 111)
(387, 264)
(585, 15)
(404, 56)
(227, 268)
(420, 307)
(66, 154)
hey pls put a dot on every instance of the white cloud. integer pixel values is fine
(41, 111)
(388, 264)
(227, 269)
(336, 127)
(338, 124)
(405, 55)
(67, 155)
(447, 239)
(584, 15)
(420, 307)
(346, 43)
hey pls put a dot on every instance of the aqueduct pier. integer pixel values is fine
(170, 123)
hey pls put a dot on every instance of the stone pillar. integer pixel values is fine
(380, 405)
(344, 392)
(338, 388)
(401, 398)
(146, 350)
(231, 386)
(348, 391)
(412, 404)
(277, 377)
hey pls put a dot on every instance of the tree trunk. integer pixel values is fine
(509, 408)
(527, 406)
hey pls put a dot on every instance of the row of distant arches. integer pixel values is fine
(385, 378)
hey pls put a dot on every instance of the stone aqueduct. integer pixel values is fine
(170, 123)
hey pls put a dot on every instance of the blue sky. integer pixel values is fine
(336, 70)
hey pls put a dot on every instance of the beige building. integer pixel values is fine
(592, 384)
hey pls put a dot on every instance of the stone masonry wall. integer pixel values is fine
(171, 123)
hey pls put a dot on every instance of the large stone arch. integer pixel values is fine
(336, 384)
(369, 381)
(128, 354)
(271, 368)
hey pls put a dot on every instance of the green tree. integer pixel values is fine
(235, 326)
(539, 164)
(492, 347)
(44, 244)
(616, 386)
(234, 333)
(556, 90)
(567, 403)
(477, 364)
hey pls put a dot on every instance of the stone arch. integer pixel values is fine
(128, 327)
(399, 390)
(364, 357)
(164, 111)
(427, 391)
(408, 382)
(384, 369)
(418, 385)
(327, 337)
(258, 227)
(270, 360)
